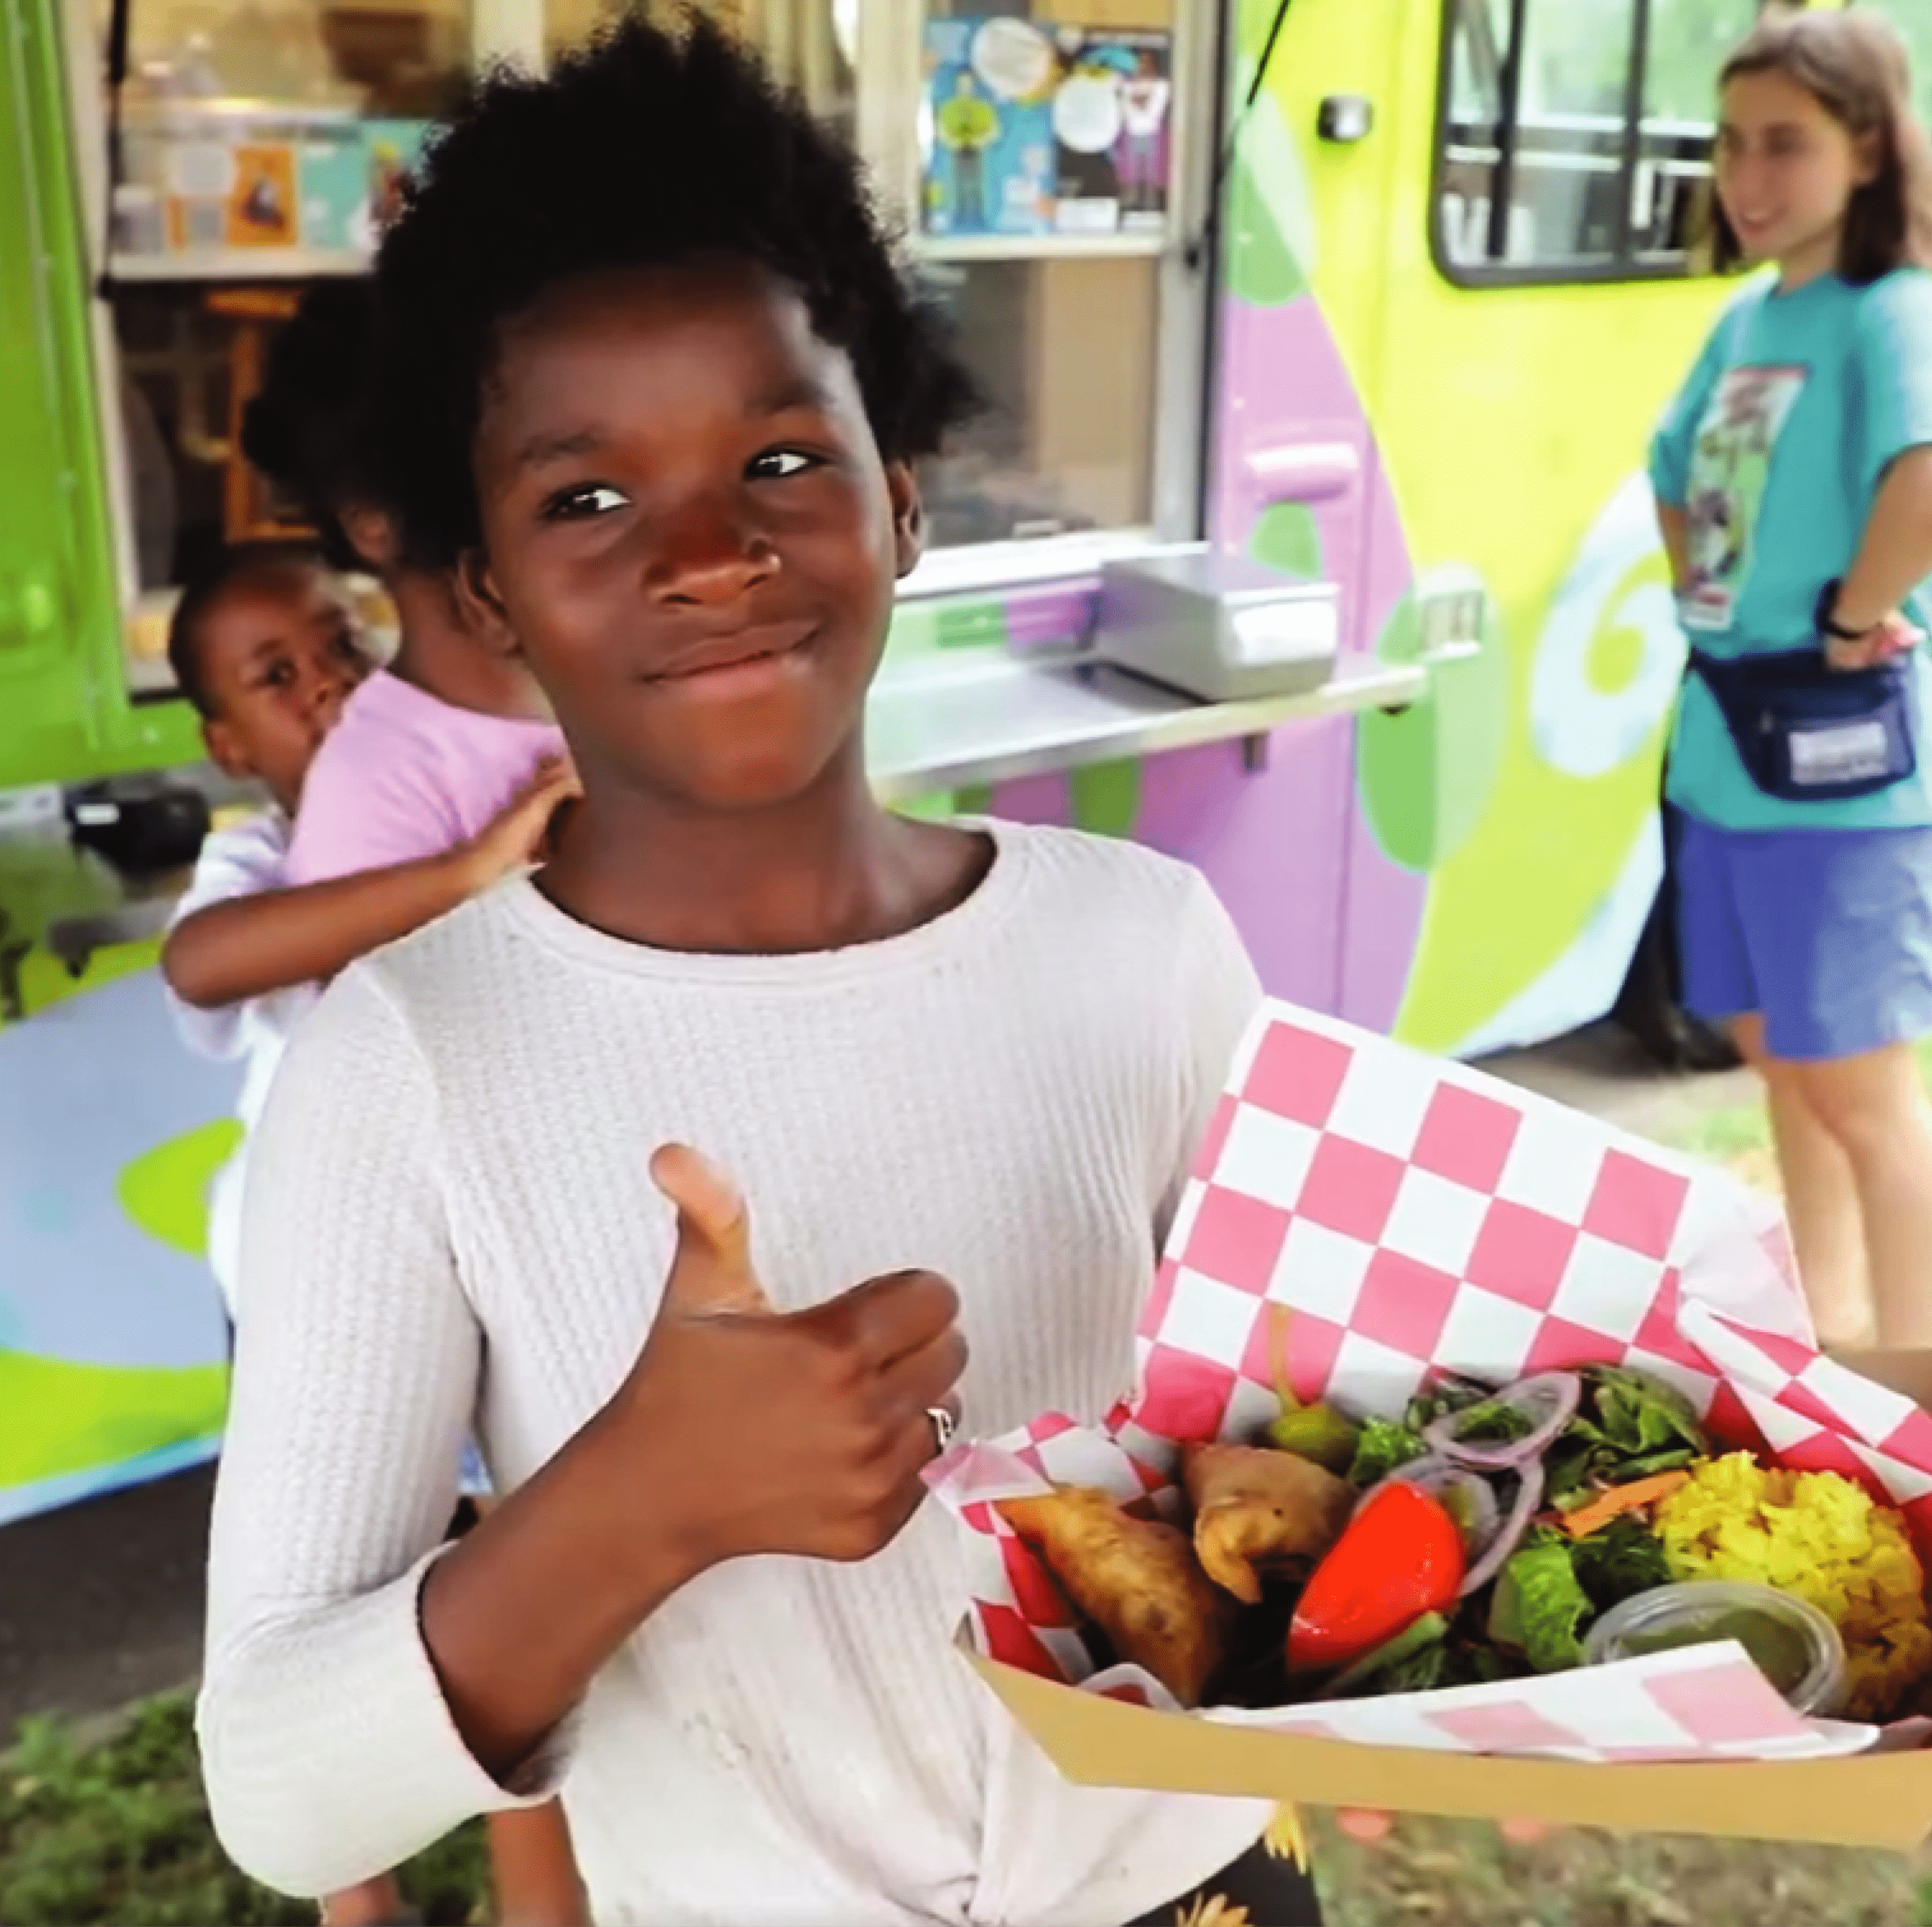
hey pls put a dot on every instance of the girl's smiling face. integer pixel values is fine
(689, 529)
(1786, 172)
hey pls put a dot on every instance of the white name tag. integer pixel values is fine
(1843, 753)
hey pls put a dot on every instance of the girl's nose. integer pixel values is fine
(708, 556)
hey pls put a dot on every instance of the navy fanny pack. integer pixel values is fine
(1807, 733)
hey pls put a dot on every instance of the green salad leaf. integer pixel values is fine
(1443, 1394)
(1383, 1447)
(1495, 1421)
(1624, 1558)
(1539, 1609)
(1415, 1647)
(1629, 1426)
(1642, 1415)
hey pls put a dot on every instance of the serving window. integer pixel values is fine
(1040, 159)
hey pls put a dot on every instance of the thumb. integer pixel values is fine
(711, 1268)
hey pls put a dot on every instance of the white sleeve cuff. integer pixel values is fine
(329, 1750)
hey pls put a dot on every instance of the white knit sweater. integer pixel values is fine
(448, 1213)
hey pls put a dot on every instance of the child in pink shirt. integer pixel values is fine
(428, 750)
(406, 771)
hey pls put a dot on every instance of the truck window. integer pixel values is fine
(1574, 135)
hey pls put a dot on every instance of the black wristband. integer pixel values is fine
(1825, 616)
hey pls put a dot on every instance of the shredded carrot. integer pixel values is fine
(1620, 1499)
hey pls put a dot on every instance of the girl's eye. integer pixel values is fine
(580, 504)
(279, 675)
(781, 464)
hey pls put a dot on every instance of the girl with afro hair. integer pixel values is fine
(686, 1168)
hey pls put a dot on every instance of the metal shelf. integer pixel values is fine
(963, 726)
(239, 264)
(1039, 246)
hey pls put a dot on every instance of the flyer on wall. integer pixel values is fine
(1027, 130)
(1112, 127)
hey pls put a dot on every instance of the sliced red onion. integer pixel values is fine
(1548, 1401)
(1510, 1535)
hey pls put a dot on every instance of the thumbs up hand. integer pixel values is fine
(803, 1433)
(711, 1270)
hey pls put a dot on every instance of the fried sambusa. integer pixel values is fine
(1137, 1580)
(1257, 1511)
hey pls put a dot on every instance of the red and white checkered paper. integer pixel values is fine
(1415, 1215)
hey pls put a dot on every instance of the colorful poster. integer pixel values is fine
(352, 181)
(263, 209)
(1032, 129)
(335, 190)
(989, 113)
(1113, 114)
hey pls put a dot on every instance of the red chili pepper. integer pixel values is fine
(1401, 1556)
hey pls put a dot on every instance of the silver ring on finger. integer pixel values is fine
(946, 1428)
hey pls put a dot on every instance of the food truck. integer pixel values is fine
(1305, 536)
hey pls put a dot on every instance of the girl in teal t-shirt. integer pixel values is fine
(1794, 481)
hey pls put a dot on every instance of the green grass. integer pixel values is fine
(118, 1832)
(1432, 1873)
(1740, 1135)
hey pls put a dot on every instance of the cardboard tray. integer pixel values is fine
(1872, 1800)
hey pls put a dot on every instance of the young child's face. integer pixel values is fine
(689, 529)
(280, 651)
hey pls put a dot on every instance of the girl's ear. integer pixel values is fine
(1869, 157)
(909, 515)
(479, 605)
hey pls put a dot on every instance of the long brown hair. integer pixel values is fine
(1854, 64)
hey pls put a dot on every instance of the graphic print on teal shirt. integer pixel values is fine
(1730, 465)
(1774, 450)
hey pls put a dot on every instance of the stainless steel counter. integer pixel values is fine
(986, 717)
(947, 722)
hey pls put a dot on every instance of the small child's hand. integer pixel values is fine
(518, 837)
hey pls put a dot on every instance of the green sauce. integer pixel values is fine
(1779, 1650)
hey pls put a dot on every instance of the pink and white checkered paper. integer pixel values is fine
(1415, 1215)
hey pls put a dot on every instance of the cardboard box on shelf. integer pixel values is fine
(1413, 1216)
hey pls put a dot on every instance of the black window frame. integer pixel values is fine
(1625, 267)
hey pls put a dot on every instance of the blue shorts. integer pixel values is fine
(1826, 934)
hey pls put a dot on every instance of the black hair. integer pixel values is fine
(1854, 65)
(204, 590)
(646, 147)
(307, 428)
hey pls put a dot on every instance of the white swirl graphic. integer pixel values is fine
(1578, 727)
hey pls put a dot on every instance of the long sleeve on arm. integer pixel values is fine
(329, 1752)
